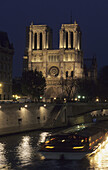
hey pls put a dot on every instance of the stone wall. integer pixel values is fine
(15, 118)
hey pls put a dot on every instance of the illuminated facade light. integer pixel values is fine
(54, 98)
(0, 85)
(26, 106)
(44, 105)
(0, 107)
(83, 97)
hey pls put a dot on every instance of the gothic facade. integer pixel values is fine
(55, 64)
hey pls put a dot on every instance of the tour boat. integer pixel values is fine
(73, 146)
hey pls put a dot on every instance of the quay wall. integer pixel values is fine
(19, 117)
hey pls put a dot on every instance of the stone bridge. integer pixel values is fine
(20, 117)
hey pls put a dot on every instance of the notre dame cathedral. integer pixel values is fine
(55, 64)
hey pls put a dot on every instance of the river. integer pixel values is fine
(21, 152)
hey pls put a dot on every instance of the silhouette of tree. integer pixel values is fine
(69, 86)
(103, 83)
(16, 86)
(87, 88)
(33, 84)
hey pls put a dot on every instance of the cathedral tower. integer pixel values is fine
(55, 64)
(70, 36)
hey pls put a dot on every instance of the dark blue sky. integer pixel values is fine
(92, 17)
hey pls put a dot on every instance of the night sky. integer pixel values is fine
(92, 17)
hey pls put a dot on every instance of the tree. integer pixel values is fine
(16, 86)
(87, 88)
(69, 86)
(33, 84)
(103, 83)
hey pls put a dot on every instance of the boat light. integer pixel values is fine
(82, 140)
(49, 147)
(47, 141)
(78, 147)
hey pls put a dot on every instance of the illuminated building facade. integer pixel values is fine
(6, 58)
(55, 64)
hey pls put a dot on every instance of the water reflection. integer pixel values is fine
(24, 150)
(42, 137)
(100, 159)
(3, 161)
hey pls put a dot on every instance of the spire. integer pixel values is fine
(32, 23)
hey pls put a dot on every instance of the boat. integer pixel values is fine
(73, 145)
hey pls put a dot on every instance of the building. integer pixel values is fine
(6, 58)
(90, 68)
(55, 64)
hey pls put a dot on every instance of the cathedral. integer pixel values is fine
(55, 64)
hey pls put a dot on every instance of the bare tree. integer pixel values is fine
(69, 87)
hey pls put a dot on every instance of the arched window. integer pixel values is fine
(40, 41)
(66, 74)
(72, 74)
(72, 40)
(35, 41)
(66, 40)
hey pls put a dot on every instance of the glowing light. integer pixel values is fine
(42, 137)
(78, 147)
(100, 158)
(16, 96)
(25, 57)
(24, 150)
(82, 140)
(54, 98)
(63, 140)
(26, 106)
(0, 85)
(49, 147)
(44, 105)
(76, 99)
(47, 141)
(83, 97)
(2, 154)
(97, 99)
(79, 97)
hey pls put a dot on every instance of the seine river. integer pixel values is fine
(20, 152)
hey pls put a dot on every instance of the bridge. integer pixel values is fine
(22, 117)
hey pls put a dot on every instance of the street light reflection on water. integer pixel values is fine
(24, 150)
(3, 161)
(20, 151)
(100, 159)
